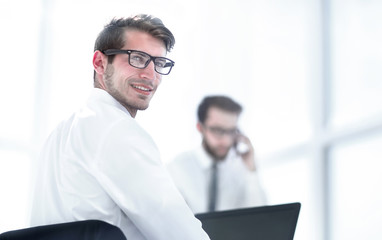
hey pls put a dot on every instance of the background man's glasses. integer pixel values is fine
(141, 60)
(220, 132)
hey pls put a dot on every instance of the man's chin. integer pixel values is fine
(221, 156)
(140, 106)
(216, 153)
(143, 105)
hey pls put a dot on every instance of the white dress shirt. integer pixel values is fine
(100, 164)
(237, 186)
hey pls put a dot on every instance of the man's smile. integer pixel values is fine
(144, 89)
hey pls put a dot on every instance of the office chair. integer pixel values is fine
(80, 230)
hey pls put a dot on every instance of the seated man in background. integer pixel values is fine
(220, 174)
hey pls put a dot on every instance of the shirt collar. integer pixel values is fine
(205, 159)
(101, 95)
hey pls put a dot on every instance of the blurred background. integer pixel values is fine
(307, 72)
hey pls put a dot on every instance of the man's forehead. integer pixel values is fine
(135, 37)
(221, 117)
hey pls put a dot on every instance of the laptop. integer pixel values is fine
(274, 222)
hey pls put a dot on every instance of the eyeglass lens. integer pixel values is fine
(220, 132)
(141, 60)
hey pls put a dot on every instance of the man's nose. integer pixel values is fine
(227, 140)
(149, 71)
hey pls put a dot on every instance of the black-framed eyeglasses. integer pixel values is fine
(220, 132)
(141, 60)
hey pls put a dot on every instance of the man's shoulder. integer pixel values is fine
(187, 155)
(187, 159)
(103, 111)
(102, 103)
(97, 123)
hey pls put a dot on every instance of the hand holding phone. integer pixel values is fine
(242, 144)
(244, 148)
(241, 147)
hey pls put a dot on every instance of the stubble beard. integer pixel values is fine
(117, 93)
(212, 152)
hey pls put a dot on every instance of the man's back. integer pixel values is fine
(71, 182)
(101, 165)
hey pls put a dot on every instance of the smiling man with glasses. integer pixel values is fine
(100, 164)
(220, 174)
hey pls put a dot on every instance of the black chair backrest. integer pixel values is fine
(79, 230)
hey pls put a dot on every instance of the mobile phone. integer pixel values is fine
(241, 147)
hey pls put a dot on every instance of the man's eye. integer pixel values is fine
(139, 59)
(160, 63)
(218, 131)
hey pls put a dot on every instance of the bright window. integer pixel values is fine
(356, 188)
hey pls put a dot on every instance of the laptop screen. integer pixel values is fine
(276, 222)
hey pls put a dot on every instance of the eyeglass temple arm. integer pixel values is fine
(169, 64)
(114, 51)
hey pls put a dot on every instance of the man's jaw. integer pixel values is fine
(213, 152)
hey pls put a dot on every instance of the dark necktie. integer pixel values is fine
(213, 188)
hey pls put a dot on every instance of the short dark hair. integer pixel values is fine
(112, 36)
(222, 102)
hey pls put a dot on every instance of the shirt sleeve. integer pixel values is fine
(254, 191)
(133, 175)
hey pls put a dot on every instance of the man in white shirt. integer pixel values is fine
(220, 174)
(99, 163)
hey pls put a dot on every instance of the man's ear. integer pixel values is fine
(199, 127)
(99, 62)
